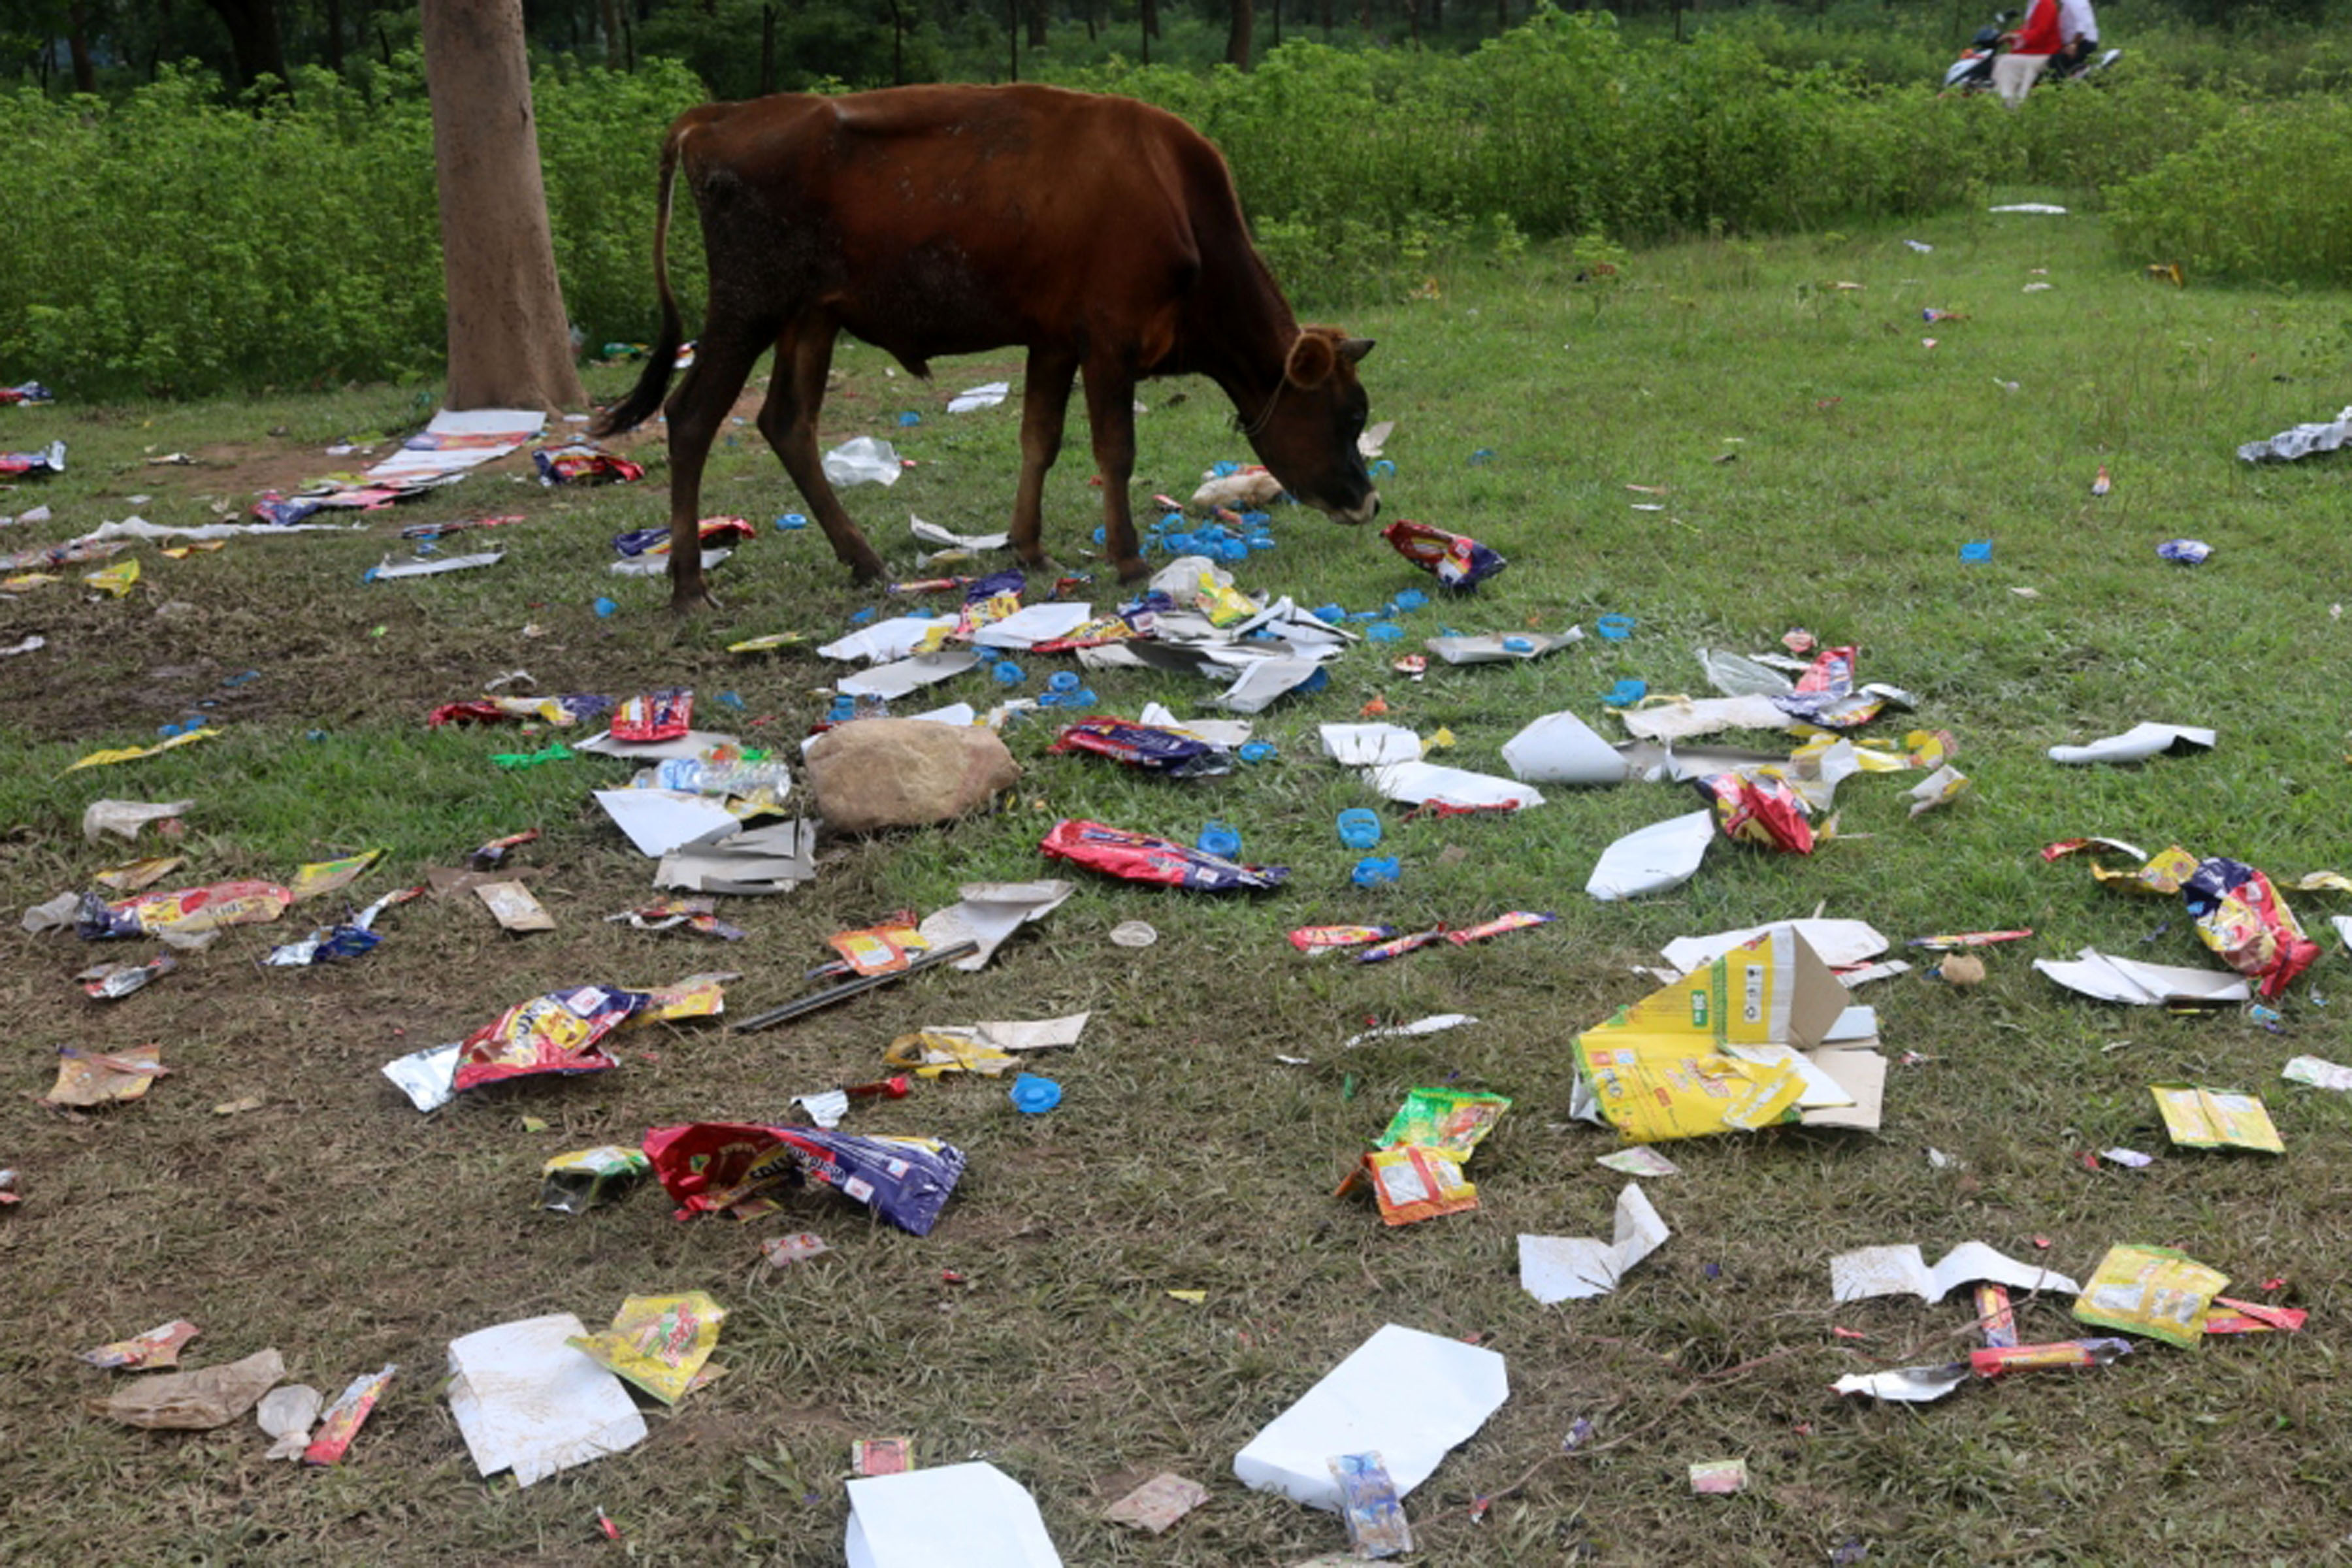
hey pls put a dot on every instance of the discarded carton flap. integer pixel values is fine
(1839, 942)
(1901, 1270)
(1652, 860)
(660, 820)
(1411, 1396)
(1033, 623)
(1419, 783)
(892, 682)
(1369, 745)
(1685, 716)
(1560, 748)
(2110, 978)
(1554, 1268)
(989, 912)
(971, 1515)
(775, 859)
(2137, 744)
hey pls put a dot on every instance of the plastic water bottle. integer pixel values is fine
(1359, 828)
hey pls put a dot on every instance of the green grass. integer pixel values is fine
(346, 1230)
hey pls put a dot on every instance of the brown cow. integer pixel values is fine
(1100, 234)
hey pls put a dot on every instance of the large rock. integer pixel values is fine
(901, 773)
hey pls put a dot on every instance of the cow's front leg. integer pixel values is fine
(1045, 410)
(1110, 411)
(695, 412)
(788, 419)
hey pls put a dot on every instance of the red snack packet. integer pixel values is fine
(1324, 939)
(1518, 919)
(2241, 918)
(343, 1418)
(1759, 811)
(658, 716)
(558, 1032)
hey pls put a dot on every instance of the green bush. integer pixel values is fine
(2262, 198)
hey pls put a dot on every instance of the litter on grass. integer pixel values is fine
(194, 1401)
(662, 1344)
(525, 1400)
(2200, 1118)
(1902, 1272)
(2151, 1290)
(2138, 743)
(1158, 1503)
(1554, 1268)
(972, 1515)
(158, 1347)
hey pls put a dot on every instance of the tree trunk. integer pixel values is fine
(609, 11)
(77, 42)
(1502, 16)
(334, 39)
(768, 48)
(1237, 38)
(1327, 20)
(509, 341)
(1036, 9)
(253, 41)
(1148, 14)
(1013, 40)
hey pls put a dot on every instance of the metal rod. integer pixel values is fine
(848, 988)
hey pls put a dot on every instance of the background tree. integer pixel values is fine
(510, 340)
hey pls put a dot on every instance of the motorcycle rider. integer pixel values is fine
(2029, 48)
(2078, 25)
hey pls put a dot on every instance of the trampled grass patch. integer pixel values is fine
(1821, 466)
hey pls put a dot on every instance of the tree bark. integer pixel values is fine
(1237, 38)
(78, 43)
(253, 41)
(1147, 14)
(510, 340)
(334, 41)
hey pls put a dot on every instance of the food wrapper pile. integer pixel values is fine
(1457, 559)
(1415, 1173)
(736, 1166)
(584, 463)
(1764, 811)
(558, 1032)
(713, 531)
(2238, 910)
(1178, 753)
(1145, 858)
(188, 912)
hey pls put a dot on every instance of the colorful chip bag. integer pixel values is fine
(711, 1166)
(2241, 918)
(1457, 559)
(582, 462)
(579, 1181)
(1178, 753)
(661, 1343)
(1144, 858)
(2151, 1290)
(1330, 939)
(1398, 946)
(657, 716)
(555, 1033)
(1758, 811)
(1450, 1121)
(159, 1346)
(342, 1420)
(1516, 920)
(1410, 1182)
(189, 912)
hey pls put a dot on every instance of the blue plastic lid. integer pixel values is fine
(1616, 629)
(1255, 751)
(1359, 828)
(1373, 870)
(1033, 1095)
(1220, 839)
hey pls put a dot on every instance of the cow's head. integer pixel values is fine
(1307, 433)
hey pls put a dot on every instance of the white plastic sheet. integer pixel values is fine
(1653, 858)
(971, 1515)
(1554, 1268)
(2137, 744)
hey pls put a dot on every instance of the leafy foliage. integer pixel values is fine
(2264, 198)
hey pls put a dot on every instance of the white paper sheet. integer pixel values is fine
(528, 1402)
(1902, 1272)
(775, 859)
(1555, 1268)
(1499, 648)
(971, 1516)
(1436, 1023)
(693, 743)
(1265, 680)
(1417, 784)
(1369, 745)
(1226, 733)
(989, 912)
(1701, 716)
(1560, 748)
(892, 682)
(1653, 858)
(2137, 744)
(660, 820)
(454, 442)
(140, 528)
(658, 565)
(880, 642)
(2113, 979)
(987, 394)
(862, 460)
(433, 567)
(1906, 1385)
(1033, 623)
(1409, 1396)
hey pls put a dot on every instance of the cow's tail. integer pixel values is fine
(662, 362)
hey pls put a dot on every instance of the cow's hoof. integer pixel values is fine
(869, 570)
(691, 602)
(1132, 568)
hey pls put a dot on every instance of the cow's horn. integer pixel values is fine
(1354, 349)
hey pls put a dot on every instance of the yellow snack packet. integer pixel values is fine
(2151, 1290)
(2200, 1118)
(661, 1343)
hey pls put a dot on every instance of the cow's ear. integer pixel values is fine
(1353, 350)
(1313, 357)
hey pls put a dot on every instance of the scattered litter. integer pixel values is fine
(2185, 552)
(2110, 978)
(1902, 1272)
(710, 1166)
(527, 1401)
(1146, 858)
(134, 753)
(1405, 1394)
(1560, 748)
(29, 644)
(111, 982)
(1641, 1160)
(430, 566)
(1718, 1478)
(1133, 933)
(345, 1417)
(1033, 1095)
(582, 1179)
(2317, 1073)
(781, 1251)
(1457, 560)
(986, 914)
(1427, 784)
(882, 1455)
(973, 1515)
(1158, 1503)
(2200, 1118)
(2137, 744)
(986, 395)
(861, 460)
(1652, 860)
(660, 1343)
(1498, 647)
(2151, 1290)
(2300, 442)
(1906, 1385)
(2131, 1159)
(91, 1077)
(1369, 1505)
(454, 442)
(158, 1347)
(2029, 207)
(1554, 1268)
(1436, 1023)
(194, 1401)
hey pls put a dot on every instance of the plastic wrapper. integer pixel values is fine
(583, 463)
(112, 982)
(95, 1077)
(1994, 1360)
(1398, 946)
(490, 856)
(710, 1166)
(2200, 1118)
(881, 949)
(1758, 811)
(1996, 1316)
(661, 1343)
(28, 392)
(330, 876)
(582, 1179)
(1457, 559)
(1412, 1183)
(349, 938)
(698, 915)
(2228, 1315)
(987, 600)
(1328, 939)
(555, 1033)
(783, 1251)
(569, 709)
(1175, 753)
(713, 531)
(189, 912)
(1450, 1121)
(658, 716)
(2242, 919)
(345, 1417)
(49, 459)
(1369, 1502)
(2151, 1290)
(1516, 920)
(1145, 858)
(159, 1346)
(194, 1401)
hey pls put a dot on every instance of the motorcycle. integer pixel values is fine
(1973, 72)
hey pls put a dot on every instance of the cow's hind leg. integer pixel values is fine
(788, 419)
(1045, 410)
(696, 411)
(1110, 411)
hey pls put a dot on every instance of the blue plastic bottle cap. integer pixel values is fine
(1374, 871)
(1255, 751)
(1358, 826)
(1179, 543)
(1389, 631)
(1411, 599)
(1331, 615)
(1482, 456)
(1223, 470)
(1101, 535)
(1083, 697)
(1383, 468)
(1008, 673)
(1218, 838)
(1033, 1095)
(791, 521)
(605, 606)
(909, 418)
(1519, 645)
(1062, 680)
(1977, 551)
(860, 617)
(1616, 629)
(1625, 693)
